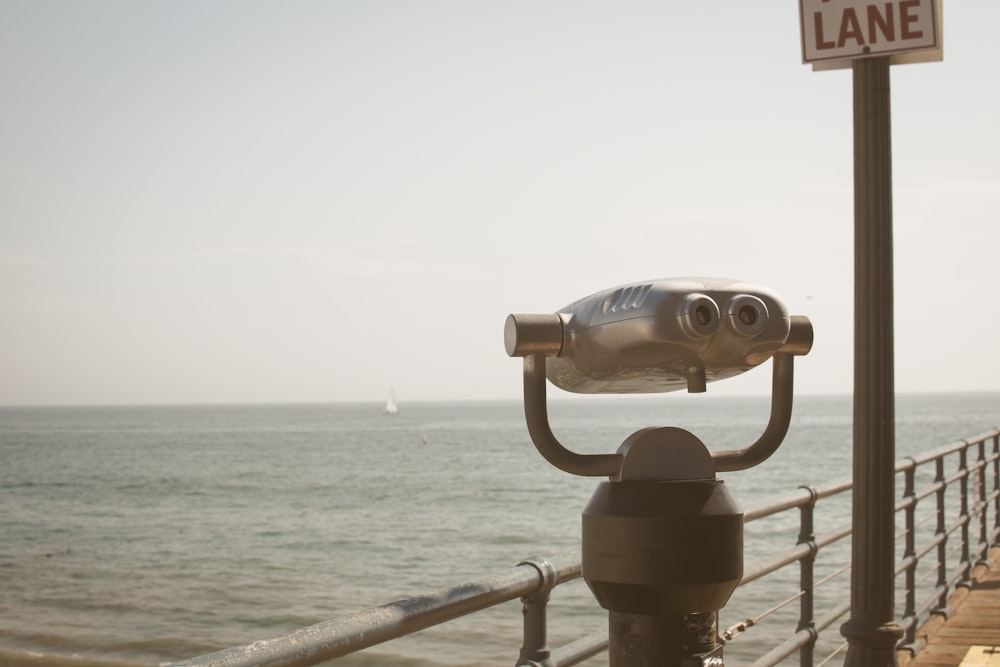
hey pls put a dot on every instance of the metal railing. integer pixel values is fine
(950, 507)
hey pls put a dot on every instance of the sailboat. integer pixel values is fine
(390, 404)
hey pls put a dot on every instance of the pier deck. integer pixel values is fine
(970, 637)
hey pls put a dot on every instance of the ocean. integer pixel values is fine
(145, 535)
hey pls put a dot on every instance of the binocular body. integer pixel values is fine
(654, 336)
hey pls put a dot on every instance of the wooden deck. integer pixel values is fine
(970, 637)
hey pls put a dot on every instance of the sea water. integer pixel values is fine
(152, 534)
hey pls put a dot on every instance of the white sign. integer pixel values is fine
(842, 30)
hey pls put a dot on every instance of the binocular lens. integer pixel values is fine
(699, 315)
(748, 315)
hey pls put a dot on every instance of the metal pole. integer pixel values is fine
(664, 640)
(872, 631)
(807, 579)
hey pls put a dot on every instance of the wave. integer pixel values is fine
(37, 659)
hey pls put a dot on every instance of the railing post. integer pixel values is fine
(535, 646)
(963, 485)
(807, 568)
(982, 507)
(996, 484)
(910, 549)
(941, 535)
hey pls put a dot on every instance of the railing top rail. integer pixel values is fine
(798, 498)
(803, 495)
(939, 452)
(353, 632)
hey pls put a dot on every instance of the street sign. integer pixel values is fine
(834, 32)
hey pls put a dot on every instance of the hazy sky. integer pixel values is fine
(242, 201)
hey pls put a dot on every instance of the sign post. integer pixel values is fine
(869, 36)
(872, 632)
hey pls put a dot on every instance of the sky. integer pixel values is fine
(239, 201)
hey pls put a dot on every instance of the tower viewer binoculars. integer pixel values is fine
(659, 336)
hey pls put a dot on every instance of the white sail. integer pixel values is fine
(390, 404)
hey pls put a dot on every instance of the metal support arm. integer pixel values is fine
(608, 465)
(798, 342)
(777, 425)
(537, 417)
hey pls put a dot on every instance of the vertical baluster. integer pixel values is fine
(941, 535)
(535, 646)
(983, 548)
(910, 550)
(806, 576)
(996, 484)
(963, 513)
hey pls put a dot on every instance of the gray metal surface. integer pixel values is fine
(654, 336)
